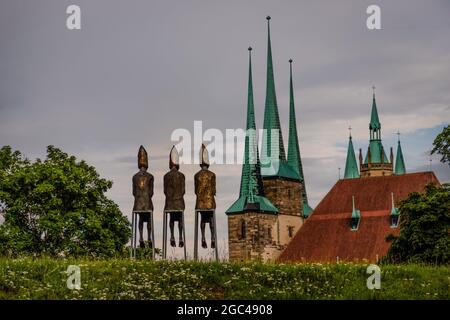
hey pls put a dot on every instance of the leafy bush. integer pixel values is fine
(57, 206)
(425, 227)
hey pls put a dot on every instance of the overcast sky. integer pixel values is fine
(137, 70)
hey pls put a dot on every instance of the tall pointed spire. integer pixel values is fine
(294, 159)
(351, 167)
(271, 150)
(376, 149)
(399, 161)
(251, 195)
(273, 155)
(375, 124)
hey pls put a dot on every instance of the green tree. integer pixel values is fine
(57, 206)
(441, 145)
(425, 227)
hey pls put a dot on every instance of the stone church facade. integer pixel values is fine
(272, 203)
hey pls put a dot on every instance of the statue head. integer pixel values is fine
(142, 159)
(204, 157)
(174, 159)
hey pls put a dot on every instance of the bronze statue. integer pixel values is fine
(205, 189)
(143, 192)
(174, 189)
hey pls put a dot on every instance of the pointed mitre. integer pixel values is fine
(174, 158)
(142, 158)
(204, 156)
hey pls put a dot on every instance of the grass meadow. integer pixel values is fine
(46, 278)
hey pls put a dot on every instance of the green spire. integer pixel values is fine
(271, 117)
(294, 159)
(351, 168)
(375, 145)
(273, 156)
(251, 195)
(375, 124)
(399, 161)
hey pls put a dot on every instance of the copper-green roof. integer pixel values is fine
(251, 195)
(307, 210)
(374, 120)
(273, 156)
(375, 147)
(294, 159)
(399, 161)
(351, 167)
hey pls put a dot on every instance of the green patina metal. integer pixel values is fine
(307, 210)
(356, 217)
(394, 210)
(273, 156)
(351, 167)
(251, 195)
(374, 120)
(399, 161)
(356, 214)
(294, 159)
(376, 149)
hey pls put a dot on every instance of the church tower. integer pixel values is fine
(272, 201)
(376, 162)
(282, 182)
(252, 218)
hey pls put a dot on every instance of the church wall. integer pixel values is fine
(259, 239)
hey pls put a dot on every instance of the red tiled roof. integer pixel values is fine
(326, 235)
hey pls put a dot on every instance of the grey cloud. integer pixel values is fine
(140, 69)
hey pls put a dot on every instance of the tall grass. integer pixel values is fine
(45, 278)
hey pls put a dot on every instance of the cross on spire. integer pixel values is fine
(350, 131)
(398, 134)
(373, 89)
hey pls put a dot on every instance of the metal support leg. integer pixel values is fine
(196, 236)
(216, 248)
(164, 246)
(135, 227)
(132, 236)
(184, 235)
(152, 235)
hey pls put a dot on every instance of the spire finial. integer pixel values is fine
(350, 131)
(373, 90)
(398, 135)
(250, 48)
(268, 18)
